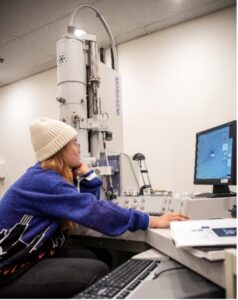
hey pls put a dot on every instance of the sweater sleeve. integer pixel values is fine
(65, 202)
(91, 184)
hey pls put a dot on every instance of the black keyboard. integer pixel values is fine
(121, 281)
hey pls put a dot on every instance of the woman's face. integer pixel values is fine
(71, 154)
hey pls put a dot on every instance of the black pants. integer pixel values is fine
(61, 277)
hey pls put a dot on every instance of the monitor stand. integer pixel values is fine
(218, 191)
(222, 191)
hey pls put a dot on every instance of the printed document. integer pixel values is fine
(215, 232)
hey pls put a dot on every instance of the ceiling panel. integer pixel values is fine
(17, 64)
(19, 17)
(45, 38)
(185, 15)
(29, 29)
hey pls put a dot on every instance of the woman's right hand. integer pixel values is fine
(164, 220)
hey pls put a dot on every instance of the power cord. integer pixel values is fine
(171, 269)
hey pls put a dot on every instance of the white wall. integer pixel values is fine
(174, 83)
(20, 104)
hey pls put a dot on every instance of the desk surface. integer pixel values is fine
(161, 240)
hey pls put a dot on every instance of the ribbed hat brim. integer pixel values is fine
(49, 136)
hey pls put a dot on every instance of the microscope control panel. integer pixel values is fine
(155, 205)
(195, 208)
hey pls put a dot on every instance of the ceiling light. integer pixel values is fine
(79, 32)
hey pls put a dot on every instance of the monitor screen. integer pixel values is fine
(215, 157)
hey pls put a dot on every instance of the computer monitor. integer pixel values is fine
(215, 158)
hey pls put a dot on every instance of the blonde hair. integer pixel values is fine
(57, 163)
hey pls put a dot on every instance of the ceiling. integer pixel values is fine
(29, 29)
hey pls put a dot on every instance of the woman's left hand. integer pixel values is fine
(82, 169)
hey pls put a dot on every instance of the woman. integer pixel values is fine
(38, 210)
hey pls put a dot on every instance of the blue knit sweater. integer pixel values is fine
(33, 208)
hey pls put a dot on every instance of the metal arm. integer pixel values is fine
(112, 42)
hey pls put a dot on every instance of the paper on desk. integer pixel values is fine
(204, 232)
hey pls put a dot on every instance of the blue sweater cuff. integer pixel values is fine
(147, 221)
(90, 174)
(138, 220)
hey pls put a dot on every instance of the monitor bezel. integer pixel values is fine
(215, 181)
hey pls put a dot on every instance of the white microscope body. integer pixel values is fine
(89, 93)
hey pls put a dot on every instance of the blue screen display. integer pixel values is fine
(214, 150)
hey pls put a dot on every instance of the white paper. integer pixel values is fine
(204, 232)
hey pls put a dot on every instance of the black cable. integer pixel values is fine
(171, 269)
(147, 174)
(131, 168)
(102, 55)
(112, 59)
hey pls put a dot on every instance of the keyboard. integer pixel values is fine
(121, 281)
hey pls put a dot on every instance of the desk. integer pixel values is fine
(230, 271)
(161, 240)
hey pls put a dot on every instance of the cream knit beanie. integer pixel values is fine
(48, 136)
